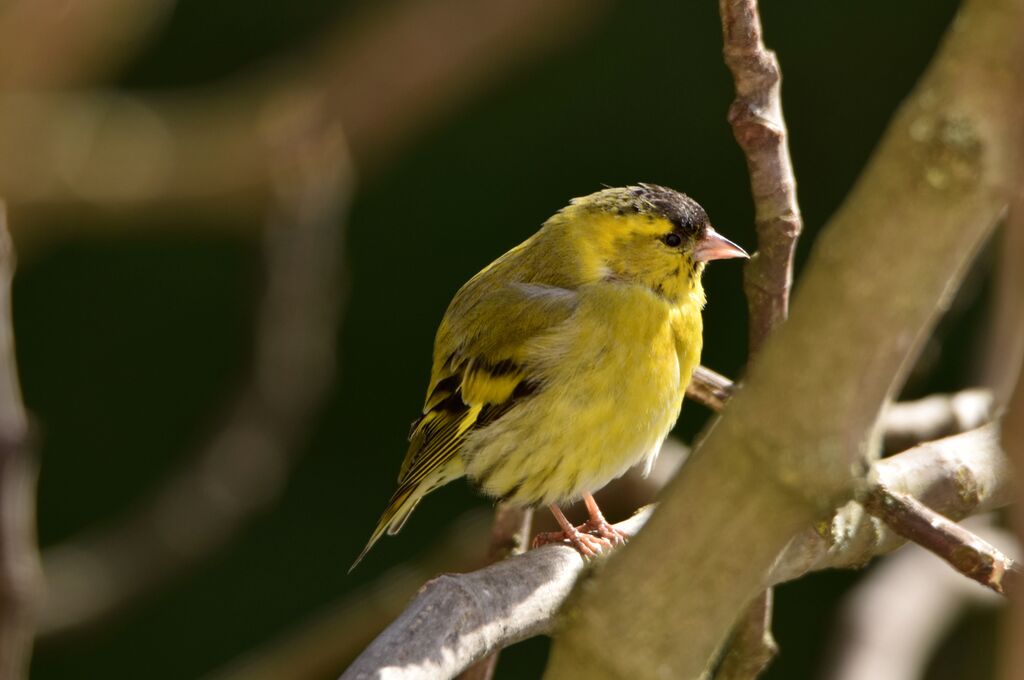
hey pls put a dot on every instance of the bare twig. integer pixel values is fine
(519, 597)
(891, 622)
(709, 388)
(760, 130)
(967, 553)
(242, 468)
(19, 555)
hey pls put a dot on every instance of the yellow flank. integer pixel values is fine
(564, 362)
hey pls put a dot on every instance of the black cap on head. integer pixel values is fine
(682, 211)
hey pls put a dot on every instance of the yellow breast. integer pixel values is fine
(614, 378)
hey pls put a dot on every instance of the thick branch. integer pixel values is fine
(520, 597)
(788, 450)
(19, 555)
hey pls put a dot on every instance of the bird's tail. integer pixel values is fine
(401, 505)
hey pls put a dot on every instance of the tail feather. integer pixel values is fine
(401, 505)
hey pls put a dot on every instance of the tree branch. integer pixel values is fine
(760, 130)
(20, 579)
(243, 466)
(510, 535)
(521, 596)
(969, 554)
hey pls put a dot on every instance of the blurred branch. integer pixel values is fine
(907, 423)
(521, 596)
(19, 555)
(243, 467)
(1013, 440)
(384, 76)
(54, 43)
(891, 622)
(969, 554)
(1004, 341)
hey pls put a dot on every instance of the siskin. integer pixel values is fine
(564, 362)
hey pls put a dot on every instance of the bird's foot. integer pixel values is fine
(586, 544)
(601, 528)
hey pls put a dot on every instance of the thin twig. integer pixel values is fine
(760, 130)
(709, 388)
(520, 597)
(20, 578)
(243, 466)
(967, 553)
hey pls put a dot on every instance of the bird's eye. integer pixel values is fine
(672, 240)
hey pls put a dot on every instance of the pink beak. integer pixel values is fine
(714, 246)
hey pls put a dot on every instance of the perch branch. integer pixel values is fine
(242, 468)
(520, 597)
(510, 535)
(20, 579)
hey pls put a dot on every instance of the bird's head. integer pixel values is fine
(649, 235)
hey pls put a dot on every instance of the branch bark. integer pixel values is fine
(20, 579)
(521, 597)
(785, 450)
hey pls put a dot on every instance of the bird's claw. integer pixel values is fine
(605, 530)
(588, 545)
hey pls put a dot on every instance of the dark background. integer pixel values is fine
(131, 343)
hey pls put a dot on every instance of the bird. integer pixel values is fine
(563, 363)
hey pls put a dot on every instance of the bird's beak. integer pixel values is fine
(714, 246)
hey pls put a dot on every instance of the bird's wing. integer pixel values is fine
(481, 367)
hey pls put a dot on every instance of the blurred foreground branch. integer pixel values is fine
(243, 467)
(520, 597)
(19, 554)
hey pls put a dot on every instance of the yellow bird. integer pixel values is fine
(564, 362)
